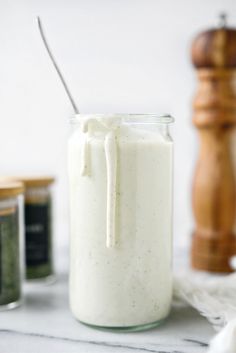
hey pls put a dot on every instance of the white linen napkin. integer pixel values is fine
(213, 296)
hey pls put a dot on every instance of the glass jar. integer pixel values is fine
(120, 175)
(38, 228)
(11, 243)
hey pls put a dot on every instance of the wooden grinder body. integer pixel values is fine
(214, 185)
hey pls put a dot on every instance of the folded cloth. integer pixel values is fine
(225, 340)
(213, 296)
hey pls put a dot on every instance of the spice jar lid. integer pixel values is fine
(36, 181)
(10, 189)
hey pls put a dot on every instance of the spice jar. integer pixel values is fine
(38, 228)
(120, 173)
(11, 229)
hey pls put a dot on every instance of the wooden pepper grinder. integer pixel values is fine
(214, 186)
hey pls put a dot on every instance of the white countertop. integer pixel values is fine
(44, 324)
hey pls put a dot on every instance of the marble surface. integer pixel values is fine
(44, 324)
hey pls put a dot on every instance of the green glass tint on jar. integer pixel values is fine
(11, 226)
(38, 229)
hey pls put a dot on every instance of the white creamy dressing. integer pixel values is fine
(121, 210)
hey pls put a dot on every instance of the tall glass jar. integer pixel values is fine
(120, 174)
(11, 243)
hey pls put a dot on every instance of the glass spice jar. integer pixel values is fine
(11, 243)
(38, 228)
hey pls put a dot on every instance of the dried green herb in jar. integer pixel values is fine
(10, 244)
(38, 228)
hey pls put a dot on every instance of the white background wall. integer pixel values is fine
(118, 56)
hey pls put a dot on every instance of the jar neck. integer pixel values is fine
(37, 194)
(8, 206)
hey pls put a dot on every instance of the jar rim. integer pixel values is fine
(142, 118)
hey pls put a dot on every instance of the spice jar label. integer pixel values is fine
(37, 234)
